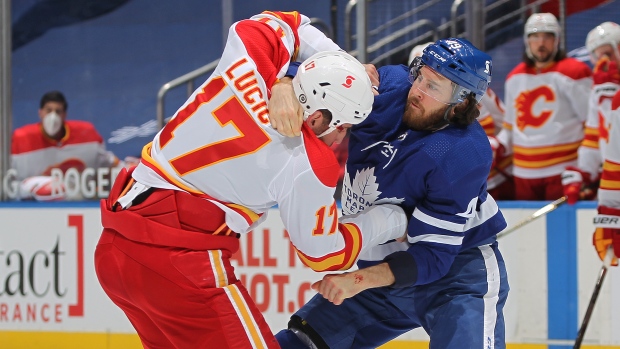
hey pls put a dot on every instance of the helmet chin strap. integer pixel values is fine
(448, 109)
(329, 130)
(326, 132)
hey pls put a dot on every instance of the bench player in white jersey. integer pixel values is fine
(500, 183)
(213, 172)
(546, 99)
(602, 43)
(606, 237)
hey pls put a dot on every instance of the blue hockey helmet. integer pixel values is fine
(461, 62)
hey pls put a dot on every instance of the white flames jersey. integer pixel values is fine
(545, 113)
(609, 189)
(593, 147)
(220, 146)
(491, 119)
(492, 111)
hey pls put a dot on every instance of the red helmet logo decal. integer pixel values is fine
(348, 81)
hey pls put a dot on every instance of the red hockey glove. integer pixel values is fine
(606, 70)
(42, 188)
(607, 233)
(573, 180)
(498, 150)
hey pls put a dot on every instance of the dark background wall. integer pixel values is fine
(111, 57)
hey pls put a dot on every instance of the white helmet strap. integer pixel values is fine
(329, 130)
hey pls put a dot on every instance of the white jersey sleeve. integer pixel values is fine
(491, 113)
(609, 189)
(312, 40)
(220, 146)
(323, 239)
(597, 128)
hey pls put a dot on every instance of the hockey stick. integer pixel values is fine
(597, 289)
(541, 212)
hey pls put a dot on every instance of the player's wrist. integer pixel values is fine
(284, 83)
(285, 80)
(378, 275)
(403, 267)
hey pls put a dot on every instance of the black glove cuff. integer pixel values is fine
(404, 267)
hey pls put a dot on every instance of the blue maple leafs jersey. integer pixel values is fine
(439, 178)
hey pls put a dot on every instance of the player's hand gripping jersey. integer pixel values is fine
(220, 146)
(443, 191)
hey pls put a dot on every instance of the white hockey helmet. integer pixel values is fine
(607, 33)
(336, 81)
(542, 23)
(417, 51)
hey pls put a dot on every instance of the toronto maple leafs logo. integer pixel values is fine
(362, 192)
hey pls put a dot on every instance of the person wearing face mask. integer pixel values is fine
(546, 99)
(55, 143)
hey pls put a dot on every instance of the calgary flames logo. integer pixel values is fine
(65, 165)
(604, 125)
(603, 128)
(525, 104)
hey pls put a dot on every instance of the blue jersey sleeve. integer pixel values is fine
(455, 212)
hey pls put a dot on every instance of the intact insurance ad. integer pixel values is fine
(48, 282)
(48, 286)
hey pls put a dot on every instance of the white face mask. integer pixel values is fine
(52, 123)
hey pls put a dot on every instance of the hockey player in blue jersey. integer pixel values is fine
(421, 148)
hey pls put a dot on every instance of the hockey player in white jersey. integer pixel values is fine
(546, 98)
(213, 172)
(420, 147)
(607, 222)
(580, 182)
